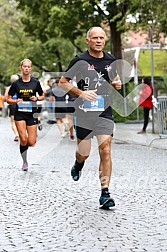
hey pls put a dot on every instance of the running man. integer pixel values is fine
(26, 89)
(93, 110)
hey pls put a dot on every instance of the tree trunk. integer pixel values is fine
(115, 41)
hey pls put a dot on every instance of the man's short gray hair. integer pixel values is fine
(89, 31)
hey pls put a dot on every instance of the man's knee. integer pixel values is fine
(81, 157)
(105, 150)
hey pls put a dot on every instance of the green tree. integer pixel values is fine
(15, 44)
(70, 19)
(50, 32)
(148, 13)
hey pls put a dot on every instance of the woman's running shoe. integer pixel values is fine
(25, 166)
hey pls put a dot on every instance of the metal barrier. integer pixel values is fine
(161, 105)
(162, 115)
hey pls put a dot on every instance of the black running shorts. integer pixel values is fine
(28, 117)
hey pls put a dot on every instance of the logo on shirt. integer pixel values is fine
(26, 93)
(108, 68)
(91, 67)
(99, 80)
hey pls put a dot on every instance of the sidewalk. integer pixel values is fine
(127, 132)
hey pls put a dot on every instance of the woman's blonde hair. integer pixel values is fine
(21, 63)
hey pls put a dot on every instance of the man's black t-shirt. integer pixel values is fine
(24, 90)
(93, 73)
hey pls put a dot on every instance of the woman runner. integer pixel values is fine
(26, 88)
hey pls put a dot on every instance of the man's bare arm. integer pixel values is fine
(67, 86)
(116, 83)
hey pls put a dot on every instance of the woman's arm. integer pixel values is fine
(39, 98)
(12, 101)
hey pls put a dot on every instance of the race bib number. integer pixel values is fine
(25, 106)
(96, 105)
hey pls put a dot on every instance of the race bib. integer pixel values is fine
(96, 105)
(25, 106)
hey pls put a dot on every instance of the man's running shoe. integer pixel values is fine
(25, 166)
(75, 172)
(106, 202)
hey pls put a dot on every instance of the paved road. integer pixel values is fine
(44, 210)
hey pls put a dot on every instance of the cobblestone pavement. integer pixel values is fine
(45, 210)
